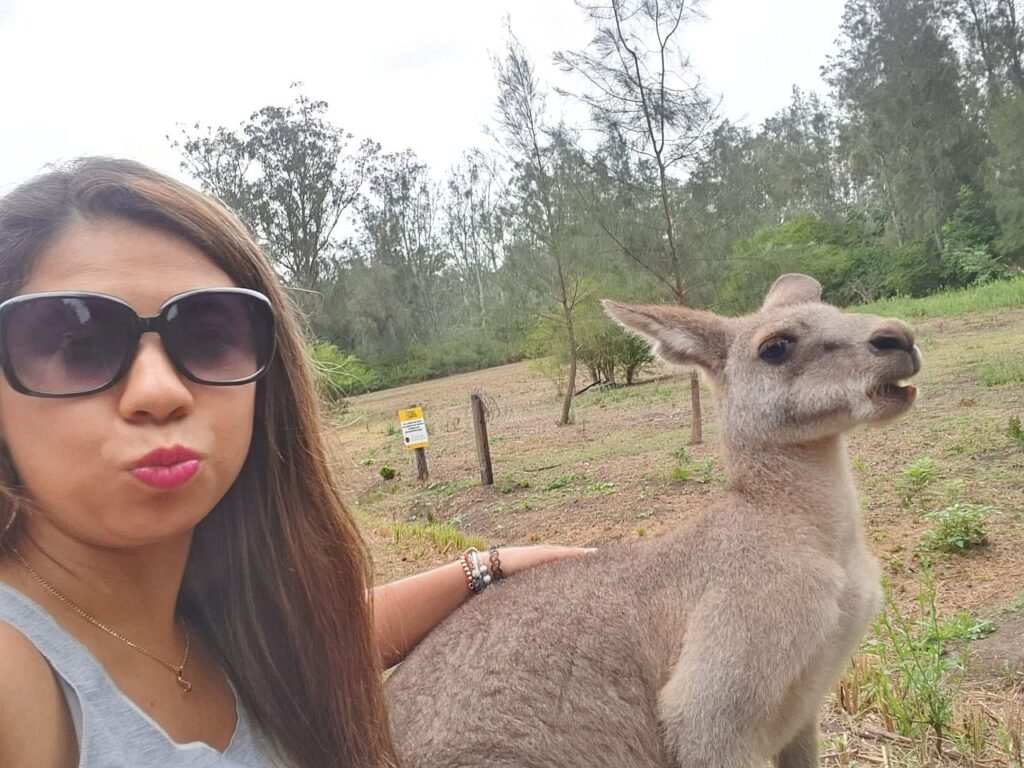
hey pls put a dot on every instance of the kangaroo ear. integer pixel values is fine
(792, 289)
(680, 335)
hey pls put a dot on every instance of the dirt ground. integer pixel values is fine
(623, 469)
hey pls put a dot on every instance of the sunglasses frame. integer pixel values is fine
(152, 324)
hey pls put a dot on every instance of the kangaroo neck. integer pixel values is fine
(809, 478)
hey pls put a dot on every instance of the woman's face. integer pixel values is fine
(79, 458)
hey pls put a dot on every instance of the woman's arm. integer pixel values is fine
(405, 611)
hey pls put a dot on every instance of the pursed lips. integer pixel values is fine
(167, 468)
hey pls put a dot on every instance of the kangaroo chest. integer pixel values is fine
(859, 600)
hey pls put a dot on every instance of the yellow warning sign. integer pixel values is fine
(414, 428)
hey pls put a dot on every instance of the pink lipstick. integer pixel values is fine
(167, 468)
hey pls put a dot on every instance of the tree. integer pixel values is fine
(643, 93)
(906, 130)
(994, 33)
(1005, 177)
(475, 227)
(290, 175)
(529, 142)
(403, 232)
(796, 156)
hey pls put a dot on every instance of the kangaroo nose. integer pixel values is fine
(893, 335)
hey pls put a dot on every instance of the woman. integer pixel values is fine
(180, 582)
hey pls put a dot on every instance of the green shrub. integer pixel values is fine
(915, 478)
(607, 351)
(1015, 432)
(551, 369)
(958, 527)
(465, 350)
(603, 349)
(388, 472)
(563, 481)
(687, 470)
(968, 241)
(338, 374)
(918, 674)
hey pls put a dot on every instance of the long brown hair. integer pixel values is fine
(277, 576)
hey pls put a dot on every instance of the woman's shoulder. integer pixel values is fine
(35, 724)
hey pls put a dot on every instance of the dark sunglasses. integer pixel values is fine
(71, 344)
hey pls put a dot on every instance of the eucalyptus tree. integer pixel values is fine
(994, 34)
(910, 140)
(798, 159)
(642, 92)
(402, 237)
(1005, 177)
(528, 139)
(476, 229)
(291, 175)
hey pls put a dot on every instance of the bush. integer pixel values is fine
(1015, 432)
(849, 256)
(958, 527)
(338, 374)
(463, 351)
(917, 676)
(969, 237)
(603, 348)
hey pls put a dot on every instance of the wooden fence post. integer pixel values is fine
(483, 450)
(422, 473)
(414, 435)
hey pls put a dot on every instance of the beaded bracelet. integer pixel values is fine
(496, 571)
(477, 573)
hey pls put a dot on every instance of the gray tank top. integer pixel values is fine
(113, 732)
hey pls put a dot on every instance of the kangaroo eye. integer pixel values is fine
(776, 350)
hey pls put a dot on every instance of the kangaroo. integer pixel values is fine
(714, 645)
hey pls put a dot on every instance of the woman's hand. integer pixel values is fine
(515, 559)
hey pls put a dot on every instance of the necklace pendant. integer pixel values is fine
(186, 685)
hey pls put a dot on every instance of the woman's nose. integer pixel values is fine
(153, 388)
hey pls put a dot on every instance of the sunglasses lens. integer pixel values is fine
(66, 345)
(220, 337)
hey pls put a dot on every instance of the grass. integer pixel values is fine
(689, 469)
(642, 393)
(910, 670)
(1000, 372)
(514, 484)
(451, 488)
(995, 295)
(1015, 605)
(564, 481)
(444, 538)
(701, 472)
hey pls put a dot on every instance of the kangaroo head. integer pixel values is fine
(795, 371)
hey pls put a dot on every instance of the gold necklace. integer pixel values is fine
(177, 669)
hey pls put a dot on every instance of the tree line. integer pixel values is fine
(906, 177)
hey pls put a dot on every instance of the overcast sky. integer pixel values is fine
(115, 77)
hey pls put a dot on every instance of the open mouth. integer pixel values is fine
(896, 391)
